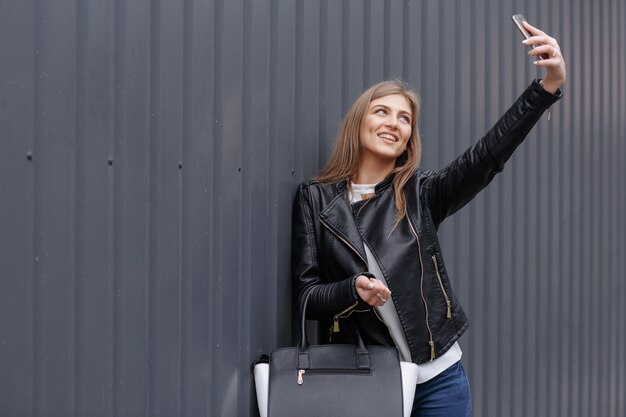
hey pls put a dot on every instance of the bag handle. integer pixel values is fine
(362, 356)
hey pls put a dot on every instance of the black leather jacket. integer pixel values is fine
(329, 235)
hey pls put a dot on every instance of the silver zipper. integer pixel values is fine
(445, 295)
(431, 343)
(301, 372)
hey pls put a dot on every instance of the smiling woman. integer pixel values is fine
(364, 244)
(385, 130)
(347, 159)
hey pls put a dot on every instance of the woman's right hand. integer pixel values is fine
(372, 290)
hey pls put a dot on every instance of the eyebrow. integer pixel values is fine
(389, 108)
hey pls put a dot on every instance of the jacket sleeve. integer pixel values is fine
(327, 297)
(454, 186)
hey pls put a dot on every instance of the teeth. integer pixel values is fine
(387, 136)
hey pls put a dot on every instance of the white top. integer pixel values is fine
(389, 314)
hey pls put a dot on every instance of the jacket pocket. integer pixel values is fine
(342, 315)
(443, 290)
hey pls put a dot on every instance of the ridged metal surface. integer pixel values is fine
(149, 151)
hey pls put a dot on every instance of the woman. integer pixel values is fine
(365, 229)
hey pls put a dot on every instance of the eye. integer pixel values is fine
(380, 110)
(405, 118)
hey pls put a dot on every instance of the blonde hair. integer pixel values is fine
(345, 158)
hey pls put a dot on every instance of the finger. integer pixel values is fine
(380, 287)
(375, 292)
(384, 292)
(544, 52)
(382, 298)
(375, 285)
(364, 283)
(553, 66)
(548, 63)
(377, 299)
(370, 285)
(540, 40)
(548, 51)
(533, 30)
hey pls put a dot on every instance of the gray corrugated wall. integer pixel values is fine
(148, 155)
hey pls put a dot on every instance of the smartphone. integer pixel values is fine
(518, 19)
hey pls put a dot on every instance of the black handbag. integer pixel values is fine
(334, 380)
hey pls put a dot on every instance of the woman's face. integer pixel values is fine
(386, 128)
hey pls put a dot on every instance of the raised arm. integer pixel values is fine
(454, 186)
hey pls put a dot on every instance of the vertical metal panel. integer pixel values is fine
(131, 218)
(55, 216)
(94, 190)
(17, 102)
(148, 155)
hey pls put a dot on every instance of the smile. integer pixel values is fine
(388, 137)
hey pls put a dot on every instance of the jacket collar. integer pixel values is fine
(384, 184)
(338, 216)
(380, 187)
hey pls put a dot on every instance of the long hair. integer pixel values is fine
(345, 158)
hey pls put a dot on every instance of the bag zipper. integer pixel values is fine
(301, 372)
(300, 381)
(431, 343)
(445, 294)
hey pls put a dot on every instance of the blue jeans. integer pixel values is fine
(446, 395)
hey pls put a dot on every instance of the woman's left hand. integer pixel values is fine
(554, 65)
(372, 291)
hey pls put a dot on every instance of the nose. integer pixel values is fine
(392, 121)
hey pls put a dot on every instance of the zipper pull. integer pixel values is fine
(336, 324)
(300, 373)
(432, 350)
(449, 314)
